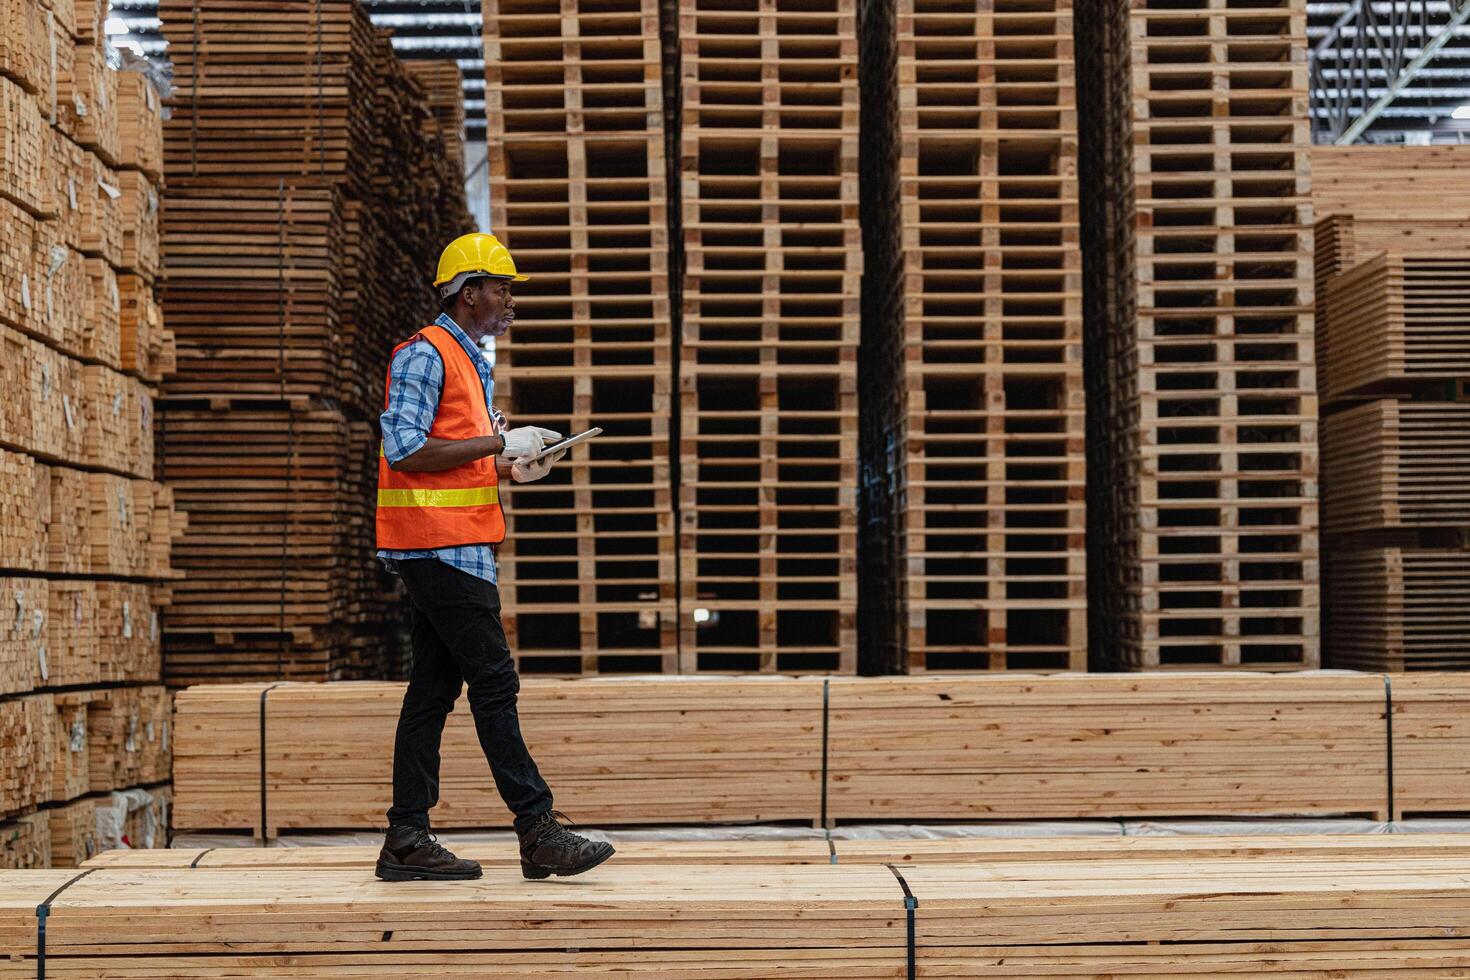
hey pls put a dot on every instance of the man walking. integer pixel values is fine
(445, 450)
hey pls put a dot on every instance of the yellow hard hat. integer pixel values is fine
(475, 254)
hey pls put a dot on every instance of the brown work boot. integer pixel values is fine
(549, 849)
(413, 854)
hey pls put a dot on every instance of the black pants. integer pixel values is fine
(457, 638)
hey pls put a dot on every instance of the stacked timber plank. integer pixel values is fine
(770, 326)
(839, 850)
(672, 756)
(1395, 369)
(977, 301)
(1218, 916)
(1202, 405)
(705, 749)
(85, 530)
(311, 187)
(578, 192)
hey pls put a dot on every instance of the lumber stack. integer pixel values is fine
(922, 748)
(1223, 916)
(85, 529)
(840, 850)
(975, 299)
(770, 326)
(578, 192)
(310, 191)
(672, 758)
(1202, 411)
(1395, 368)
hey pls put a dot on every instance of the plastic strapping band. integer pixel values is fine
(1388, 729)
(263, 827)
(200, 857)
(826, 713)
(42, 912)
(910, 903)
(831, 850)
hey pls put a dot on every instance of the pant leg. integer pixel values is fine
(434, 683)
(465, 612)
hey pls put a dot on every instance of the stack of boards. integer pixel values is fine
(973, 299)
(731, 750)
(1202, 417)
(579, 194)
(1394, 353)
(85, 528)
(312, 183)
(1212, 907)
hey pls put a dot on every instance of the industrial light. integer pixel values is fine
(701, 615)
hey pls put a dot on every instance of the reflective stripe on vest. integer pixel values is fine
(469, 497)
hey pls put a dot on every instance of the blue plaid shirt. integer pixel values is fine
(413, 401)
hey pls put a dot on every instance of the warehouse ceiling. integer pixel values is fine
(1403, 64)
(1361, 48)
(428, 29)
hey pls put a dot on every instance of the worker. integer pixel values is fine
(445, 452)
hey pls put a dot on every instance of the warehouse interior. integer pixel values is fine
(1029, 533)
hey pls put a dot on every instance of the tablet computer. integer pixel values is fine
(555, 447)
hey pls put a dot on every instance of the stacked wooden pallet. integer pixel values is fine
(1202, 409)
(937, 748)
(578, 189)
(1209, 917)
(980, 290)
(309, 193)
(768, 354)
(85, 530)
(1395, 369)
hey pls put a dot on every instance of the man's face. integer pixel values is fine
(492, 306)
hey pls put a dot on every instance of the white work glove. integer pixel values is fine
(531, 472)
(527, 440)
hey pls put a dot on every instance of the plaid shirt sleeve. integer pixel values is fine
(417, 381)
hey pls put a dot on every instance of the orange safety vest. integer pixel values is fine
(448, 507)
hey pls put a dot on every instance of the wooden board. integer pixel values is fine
(672, 758)
(942, 748)
(1210, 917)
(944, 851)
(1393, 327)
(1106, 746)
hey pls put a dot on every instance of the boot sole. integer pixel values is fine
(404, 872)
(536, 872)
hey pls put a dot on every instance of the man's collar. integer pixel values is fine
(447, 322)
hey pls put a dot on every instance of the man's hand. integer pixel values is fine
(527, 441)
(531, 472)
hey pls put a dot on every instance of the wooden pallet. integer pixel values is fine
(1202, 422)
(577, 175)
(982, 258)
(768, 107)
